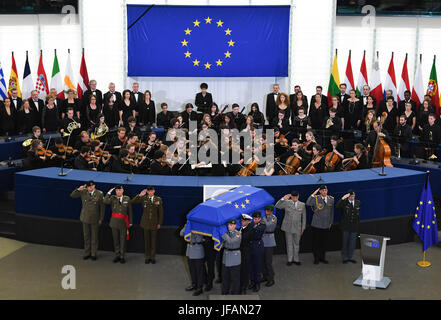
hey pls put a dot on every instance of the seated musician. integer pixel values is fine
(228, 122)
(36, 135)
(152, 145)
(65, 128)
(318, 160)
(281, 122)
(100, 162)
(84, 140)
(295, 150)
(121, 164)
(33, 159)
(132, 128)
(368, 123)
(136, 158)
(301, 124)
(431, 137)
(402, 135)
(206, 119)
(59, 149)
(281, 143)
(214, 114)
(188, 115)
(371, 139)
(119, 141)
(309, 143)
(360, 159)
(249, 124)
(237, 117)
(336, 148)
(332, 124)
(100, 130)
(81, 162)
(258, 117)
(158, 165)
(163, 118)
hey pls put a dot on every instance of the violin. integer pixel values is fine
(69, 150)
(45, 152)
(139, 145)
(283, 141)
(101, 154)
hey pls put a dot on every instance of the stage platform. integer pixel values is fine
(46, 214)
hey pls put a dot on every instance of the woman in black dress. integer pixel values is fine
(258, 117)
(317, 113)
(27, 117)
(301, 124)
(127, 109)
(147, 110)
(92, 112)
(8, 118)
(282, 105)
(111, 113)
(423, 115)
(392, 115)
(352, 112)
(50, 121)
(214, 114)
(300, 102)
(410, 116)
(71, 102)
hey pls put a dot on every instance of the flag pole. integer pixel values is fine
(424, 263)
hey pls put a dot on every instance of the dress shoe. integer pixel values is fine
(256, 287)
(316, 262)
(345, 261)
(190, 288)
(270, 283)
(86, 257)
(153, 261)
(352, 261)
(116, 259)
(208, 287)
(243, 291)
(289, 263)
(93, 258)
(198, 292)
(218, 280)
(297, 263)
(122, 260)
(251, 285)
(264, 279)
(324, 261)
(147, 261)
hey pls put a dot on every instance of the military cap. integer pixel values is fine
(257, 214)
(90, 183)
(323, 187)
(246, 217)
(232, 221)
(269, 207)
(118, 187)
(149, 188)
(351, 192)
(295, 193)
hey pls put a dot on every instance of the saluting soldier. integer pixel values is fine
(92, 214)
(269, 242)
(120, 222)
(323, 207)
(195, 255)
(231, 259)
(350, 219)
(257, 252)
(293, 224)
(245, 251)
(151, 220)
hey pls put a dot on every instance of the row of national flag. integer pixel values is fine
(378, 91)
(58, 82)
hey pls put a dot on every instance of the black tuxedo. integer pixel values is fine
(118, 97)
(140, 97)
(38, 107)
(271, 106)
(342, 98)
(203, 103)
(86, 97)
(364, 103)
(402, 106)
(19, 103)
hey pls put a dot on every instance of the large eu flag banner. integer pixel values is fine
(208, 41)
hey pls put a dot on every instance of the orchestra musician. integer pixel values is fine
(236, 117)
(402, 135)
(309, 143)
(159, 166)
(119, 141)
(359, 160)
(318, 161)
(121, 163)
(81, 161)
(258, 117)
(164, 117)
(371, 139)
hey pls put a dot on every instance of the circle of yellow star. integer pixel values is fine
(187, 31)
(433, 222)
(228, 32)
(229, 202)
(418, 222)
(416, 216)
(207, 65)
(236, 205)
(421, 202)
(227, 54)
(247, 201)
(430, 202)
(428, 227)
(187, 54)
(184, 43)
(196, 62)
(219, 62)
(243, 206)
(422, 226)
(220, 23)
(231, 43)
(208, 20)
(196, 23)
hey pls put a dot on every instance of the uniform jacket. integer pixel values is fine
(232, 240)
(270, 223)
(247, 236)
(93, 207)
(294, 220)
(152, 212)
(350, 215)
(195, 249)
(122, 208)
(256, 242)
(323, 213)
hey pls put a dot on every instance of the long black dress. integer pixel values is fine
(26, 120)
(50, 119)
(127, 111)
(7, 120)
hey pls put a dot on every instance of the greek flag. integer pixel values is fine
(3, 88)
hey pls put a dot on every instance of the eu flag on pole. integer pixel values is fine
(424, 223)
(208, 41)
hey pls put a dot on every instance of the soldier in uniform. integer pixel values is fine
(231, 259)
(151, 221)
(195, 255)
(323, 207)
(350, 218)
(92, 214)
(269, 242)
(120, 222)
(245, 251)
(293, 224)
(257, 252)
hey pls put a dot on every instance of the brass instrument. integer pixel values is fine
(329, 123)
(27, 143)
(71, 127)
(433, 156)
(99, 131)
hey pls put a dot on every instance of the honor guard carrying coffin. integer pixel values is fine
(120, 222)
(195, 255)
(92, 214)
(151, 221)
(269, 242)
(293, 224)
(323, 207)
(231, 259)
(257, 252)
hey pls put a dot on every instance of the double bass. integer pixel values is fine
(382, 151)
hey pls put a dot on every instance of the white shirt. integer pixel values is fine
(275, 96)
(14, 100)
(325, 199)
(36, 104)
(151, 199)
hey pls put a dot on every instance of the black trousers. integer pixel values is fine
(268, 270)
(219, 263)
(231, 279)
(197, 272)
(210, 261)
(245, 269)
(319, 238)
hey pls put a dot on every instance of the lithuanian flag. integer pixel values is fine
(334, 81)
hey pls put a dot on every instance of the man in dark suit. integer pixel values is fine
(37, 104)
(164, 117)
(407, 99)
(365, 95)
(188, 115)
(271, 105)
(203, 99)
(318, 90)
(136, 95)
(117, 97)
(86, 96)
(15, 100)
(237, 117)
(343, 96)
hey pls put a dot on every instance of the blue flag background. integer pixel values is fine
(208, 41)
(424, 223)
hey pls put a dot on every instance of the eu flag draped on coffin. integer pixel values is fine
(210, 217)
(211, 41)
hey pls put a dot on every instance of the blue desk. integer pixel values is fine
(435, 175)
(7, 179)
(42, 192)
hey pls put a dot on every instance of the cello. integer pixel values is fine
(332, 159)
(310, 169)
(382, 151)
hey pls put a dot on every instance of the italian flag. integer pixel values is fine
(432, 88)
(334, 81)
(56, 81)
(363, 77)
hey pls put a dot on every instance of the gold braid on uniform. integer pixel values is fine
(317, 204)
